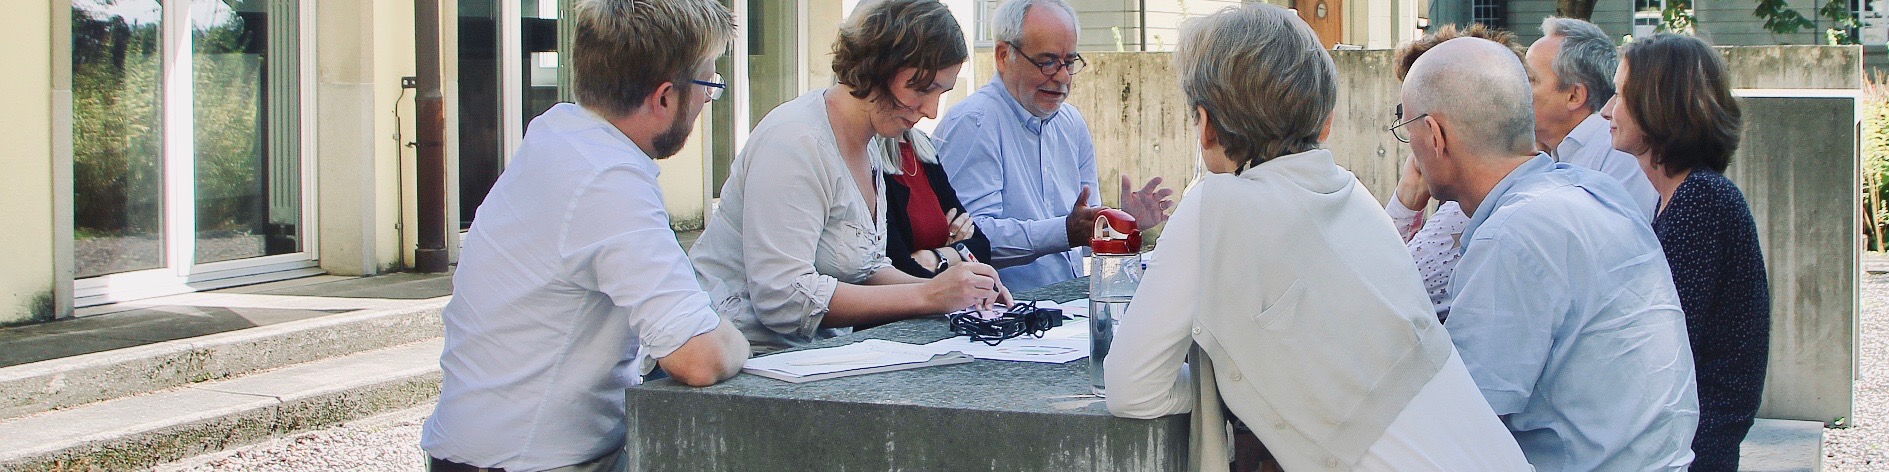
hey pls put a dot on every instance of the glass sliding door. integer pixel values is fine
(539, 36)
(481, 122)
(248, 175)
(187, 145)
(118, 136)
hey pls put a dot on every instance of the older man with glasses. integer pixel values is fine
(1023, 162)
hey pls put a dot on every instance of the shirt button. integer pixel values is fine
(1332, 463)
(1196, 330)
(1276, 424)
(1236, 376)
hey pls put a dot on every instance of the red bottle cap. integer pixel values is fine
(1115, 233)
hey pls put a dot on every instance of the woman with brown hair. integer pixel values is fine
(796, 250)
(1675, 112)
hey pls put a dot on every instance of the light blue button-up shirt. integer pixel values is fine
(1018, 175)
(1567, 318)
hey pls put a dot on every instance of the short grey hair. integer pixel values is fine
(1265, 80)
(1480, 89)
(1007, 24)
(1587, 57)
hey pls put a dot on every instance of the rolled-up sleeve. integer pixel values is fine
(633, 258)
(972, 154)
(786, 199)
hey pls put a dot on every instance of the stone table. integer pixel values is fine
(984, 415)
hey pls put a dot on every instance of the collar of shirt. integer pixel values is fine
(1592, 131)
(1030, 121)
(574, 119)
(1311, 170)
(1540, 163)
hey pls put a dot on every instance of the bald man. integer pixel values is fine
(1565, 310)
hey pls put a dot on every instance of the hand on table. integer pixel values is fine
(970, 284)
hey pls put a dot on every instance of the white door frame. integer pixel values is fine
(181, 274)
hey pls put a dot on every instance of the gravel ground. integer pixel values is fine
(390, 442)
(386, 443)
(1866, 445)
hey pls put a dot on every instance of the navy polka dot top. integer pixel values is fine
(1711, 242)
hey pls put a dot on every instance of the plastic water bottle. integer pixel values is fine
(1114, 272)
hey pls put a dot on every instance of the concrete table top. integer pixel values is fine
(984, 415)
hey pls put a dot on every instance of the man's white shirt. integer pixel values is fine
(569, 279)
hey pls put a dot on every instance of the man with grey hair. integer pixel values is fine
(571, 285)
(1023, 161)
(1565, 310)
(1571, 70)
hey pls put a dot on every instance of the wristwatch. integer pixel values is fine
(942, 262)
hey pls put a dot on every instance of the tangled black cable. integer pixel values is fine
(1019, 319)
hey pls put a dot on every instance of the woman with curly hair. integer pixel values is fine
(796, 251)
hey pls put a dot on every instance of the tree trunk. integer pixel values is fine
(1576, 9)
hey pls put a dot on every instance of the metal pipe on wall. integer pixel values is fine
(430, 131)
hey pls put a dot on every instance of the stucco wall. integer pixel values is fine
(26, 286)
(363, 49)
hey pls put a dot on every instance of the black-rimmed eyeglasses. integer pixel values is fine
(1049, 66)
(714, 85)
(1397, 130)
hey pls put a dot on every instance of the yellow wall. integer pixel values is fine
(683, 176)
(363, 49)
(394, 204)
(26, 92)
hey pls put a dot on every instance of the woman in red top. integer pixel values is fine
(927, 229)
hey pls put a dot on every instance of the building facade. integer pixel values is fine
(167, 147)
(1721, 23)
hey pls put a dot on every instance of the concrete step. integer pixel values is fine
(1782, 446)
(78, 380)
(141, 431)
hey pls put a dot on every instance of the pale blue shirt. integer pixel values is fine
(1591, 145)
(569, 283)
(1018, 176)
(1567, 318)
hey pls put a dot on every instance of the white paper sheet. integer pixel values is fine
(865, 354)
(1062, 344)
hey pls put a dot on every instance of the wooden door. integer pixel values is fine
(1327, 18)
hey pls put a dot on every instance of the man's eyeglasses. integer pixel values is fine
(715, 86)
(1050, 65)
(1397, 130)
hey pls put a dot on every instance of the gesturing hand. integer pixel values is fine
(1150, 206)
(1081, 220)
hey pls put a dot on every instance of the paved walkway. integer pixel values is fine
(128, 324)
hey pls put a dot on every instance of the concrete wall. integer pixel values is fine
(1116, 25)
(27, 286)
(1798, 166)
(363, 49)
